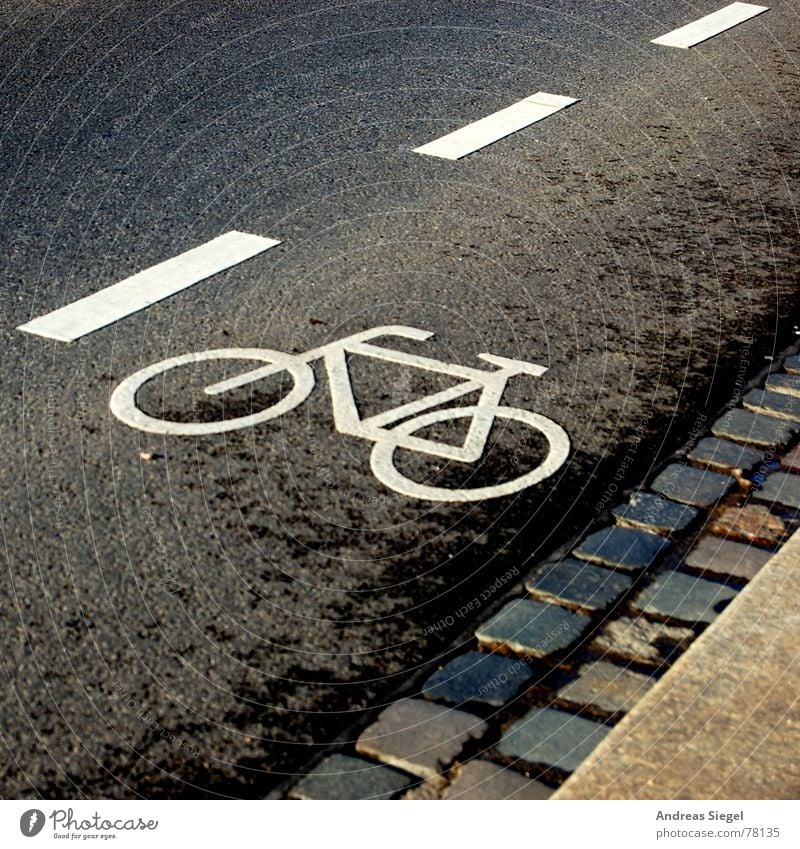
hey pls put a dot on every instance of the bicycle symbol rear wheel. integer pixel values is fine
(124, 406)
(382, 459)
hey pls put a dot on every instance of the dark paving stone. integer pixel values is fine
(485, 780)
(577, 583)
(697, 487)
(606, 686)
(725, 557)
(654, 512)
(651, 643)
(552, 738)
(754, 428)
(782, 488)
(478, 677)
(533, 629)
(342, 777)
(775, 403)
(789, 383)
(420, 737)
(792, 364)
(725, 456)
(684, 597)
(622, 548)
(753, 523)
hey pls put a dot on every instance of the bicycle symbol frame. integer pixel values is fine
(390, 430)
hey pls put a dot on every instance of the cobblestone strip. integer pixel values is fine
(588, 635)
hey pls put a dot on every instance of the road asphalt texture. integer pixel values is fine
(202, 619)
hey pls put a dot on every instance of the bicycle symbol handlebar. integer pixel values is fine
(390, 430)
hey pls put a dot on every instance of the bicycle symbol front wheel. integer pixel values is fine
(382, 459)
(124, 405)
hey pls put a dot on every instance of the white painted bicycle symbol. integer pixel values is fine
(390, 430)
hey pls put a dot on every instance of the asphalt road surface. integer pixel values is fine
(192, 615)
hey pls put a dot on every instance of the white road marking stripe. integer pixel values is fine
(710, 25)
(496, 126)
(147, 287)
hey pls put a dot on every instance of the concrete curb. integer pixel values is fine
(724, 722)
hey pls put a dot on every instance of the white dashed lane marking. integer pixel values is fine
(710, 25)
(147, 287)
(496, 126)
